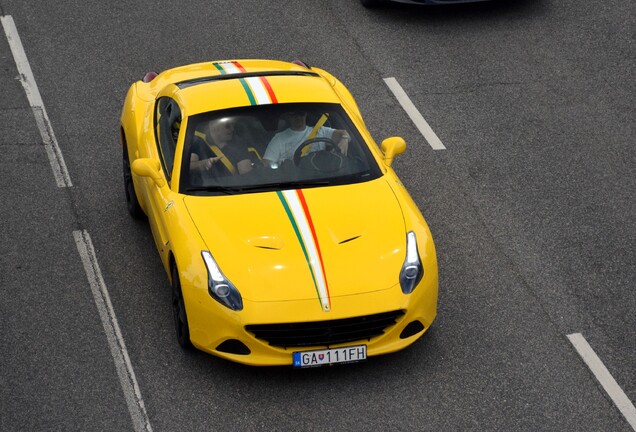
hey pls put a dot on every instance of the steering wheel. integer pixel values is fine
(330, 145)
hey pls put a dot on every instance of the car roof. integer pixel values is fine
(218, 85)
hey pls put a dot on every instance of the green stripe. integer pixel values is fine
(246, 86)
(220, 69)
(300, 239)
(248, 91)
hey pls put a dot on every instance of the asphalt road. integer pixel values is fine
(531, 205)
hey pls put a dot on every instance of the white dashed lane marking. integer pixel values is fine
(421, 124)
(604, 377)
(116, 343)
(53, 151)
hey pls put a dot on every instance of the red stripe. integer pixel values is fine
(301, 197)
(269, 89)
(238, 66)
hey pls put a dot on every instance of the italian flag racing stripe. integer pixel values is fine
(298, 213)
(269, 90)
(258, 89)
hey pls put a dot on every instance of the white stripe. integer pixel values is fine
(230, 68)
(414, 114)
(604, 377)
(257, 86)
(310, 246)
(262, 97)
(53, 151)
(113, 334)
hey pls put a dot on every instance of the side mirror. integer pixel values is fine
(392, 147)
(149, 168)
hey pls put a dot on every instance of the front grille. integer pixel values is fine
(324, 333)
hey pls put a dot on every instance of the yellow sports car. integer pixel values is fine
(287, 237)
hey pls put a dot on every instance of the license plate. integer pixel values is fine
(330, 356)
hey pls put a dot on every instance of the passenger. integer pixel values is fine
(284, 144)
(214, 152)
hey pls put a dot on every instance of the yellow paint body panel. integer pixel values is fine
(360, 229)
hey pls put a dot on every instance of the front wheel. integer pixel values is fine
(179, 312)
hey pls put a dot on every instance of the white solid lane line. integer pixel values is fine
(604, 377)
(53, 152)
(414, 114)
(116, 343)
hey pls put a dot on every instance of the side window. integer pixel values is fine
(167, 124)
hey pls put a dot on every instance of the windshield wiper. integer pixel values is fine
(286, 185)
(215, 188)
(233, 190)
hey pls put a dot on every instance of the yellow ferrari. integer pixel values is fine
(286, 235)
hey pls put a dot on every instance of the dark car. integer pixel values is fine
(376, 3)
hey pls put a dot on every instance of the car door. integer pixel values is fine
(167, 122)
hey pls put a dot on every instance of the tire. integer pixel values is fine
(372, 3)
(179, 313)
(134, 208)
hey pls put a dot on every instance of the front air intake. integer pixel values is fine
(325, 333)
(233, 346)
(413, 328)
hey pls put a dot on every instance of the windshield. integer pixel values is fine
(273, 147)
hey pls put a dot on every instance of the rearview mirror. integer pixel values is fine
(149, 168)
(392, 147)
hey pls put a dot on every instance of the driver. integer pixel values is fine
(284, 144)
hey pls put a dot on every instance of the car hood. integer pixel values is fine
(315, 243)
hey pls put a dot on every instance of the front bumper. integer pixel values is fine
(222, 332)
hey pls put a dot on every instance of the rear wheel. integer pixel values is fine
(179, 312)
(129, 188)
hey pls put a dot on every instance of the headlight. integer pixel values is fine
(219, 287)
(412, 270)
